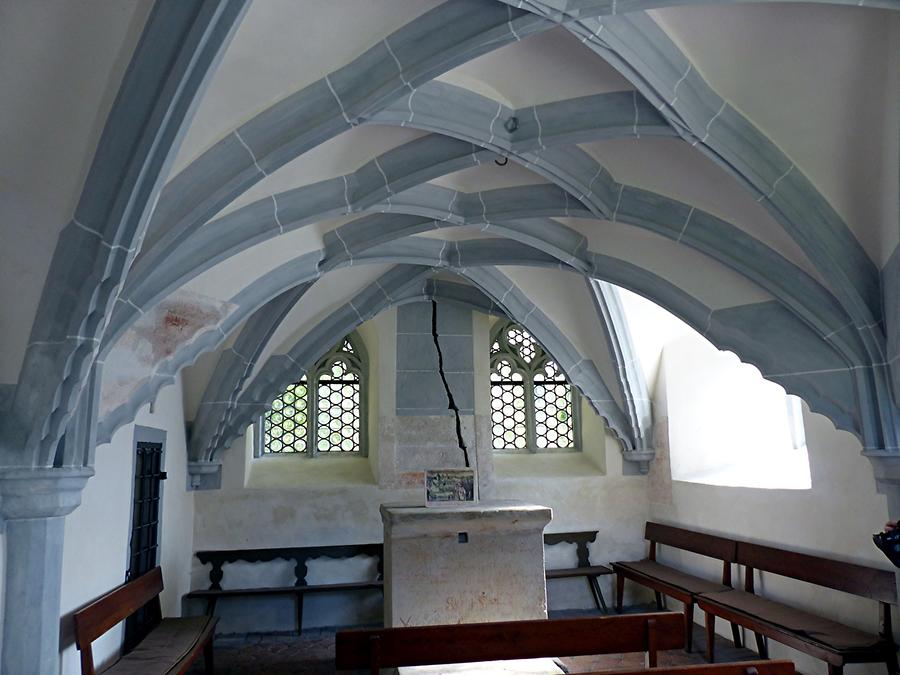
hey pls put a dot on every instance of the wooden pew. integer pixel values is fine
(823, 638)
(740, 668)
(583, 567)
(463, 643)
(300, 555)
(665, 580)
(169, 649)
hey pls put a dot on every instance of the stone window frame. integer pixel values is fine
(357, 362)
(528, 370)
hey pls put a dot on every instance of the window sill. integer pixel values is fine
(288, 472)
(544, 465)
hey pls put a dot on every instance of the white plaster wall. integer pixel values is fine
(95, 555)
(835, 518)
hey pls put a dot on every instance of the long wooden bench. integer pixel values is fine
(170, 647)
(741, 668)
(301, 555)
(668, 581)
(496, 641)
(833, 642)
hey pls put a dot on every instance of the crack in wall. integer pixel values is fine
(451, 402)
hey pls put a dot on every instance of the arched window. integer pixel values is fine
(322, 413)
(533, 406)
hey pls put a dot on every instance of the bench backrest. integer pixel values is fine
(461, 643)
(743, 668)
(696, 542)
(98, 617)
(867, 582)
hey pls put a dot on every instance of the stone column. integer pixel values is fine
(33, 506)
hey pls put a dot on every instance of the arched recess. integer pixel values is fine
(404, 284)
(642, 52)
(179, 47)
(819, 375)
(631, 376)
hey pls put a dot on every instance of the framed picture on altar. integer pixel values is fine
(449, 486)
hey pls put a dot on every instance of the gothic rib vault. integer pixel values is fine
(380, 168)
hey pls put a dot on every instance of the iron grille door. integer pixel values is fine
(148, 474)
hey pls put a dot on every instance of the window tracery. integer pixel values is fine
(323, 412)
(533, 406)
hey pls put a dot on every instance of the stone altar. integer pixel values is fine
(464, 563)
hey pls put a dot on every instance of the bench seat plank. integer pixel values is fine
(568, 572)
(286, 590)
(169, 648)
(651, 569)
(830, 634)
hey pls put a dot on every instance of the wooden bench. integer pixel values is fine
(668, 581)
(584, 568)
(826, 639)
(463, 643)
(300, 556)
(170, 647)
(741, 668)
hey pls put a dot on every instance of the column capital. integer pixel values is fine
(27, 493)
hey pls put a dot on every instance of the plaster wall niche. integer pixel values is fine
(465, 563)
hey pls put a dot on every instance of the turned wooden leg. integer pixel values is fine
(688, 626)
(710, 637)
(891, 663)
(620, 592)
(761, 647)
(208, 658)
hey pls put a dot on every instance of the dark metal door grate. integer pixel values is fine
(144, 546)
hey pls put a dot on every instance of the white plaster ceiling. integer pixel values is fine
(489, 176)
(548, 66)
(710, 282)
(817, 79)
(282, 46)
(60, 68)
(673, 168)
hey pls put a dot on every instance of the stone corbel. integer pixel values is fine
(205, 475)
(641, 457)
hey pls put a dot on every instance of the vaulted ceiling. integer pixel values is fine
(737, 163)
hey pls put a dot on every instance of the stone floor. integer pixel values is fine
(313, 654)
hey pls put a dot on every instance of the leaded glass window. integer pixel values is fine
(533, 406)
(323, 412)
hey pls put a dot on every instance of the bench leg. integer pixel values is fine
(835, 670)
(710, 637)
(620, 592)
(761, 646)
(594, 585)
(891, 663)
(688, 626)
(299, 597)
(659, 601)
(736, 636)
(208, 660)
